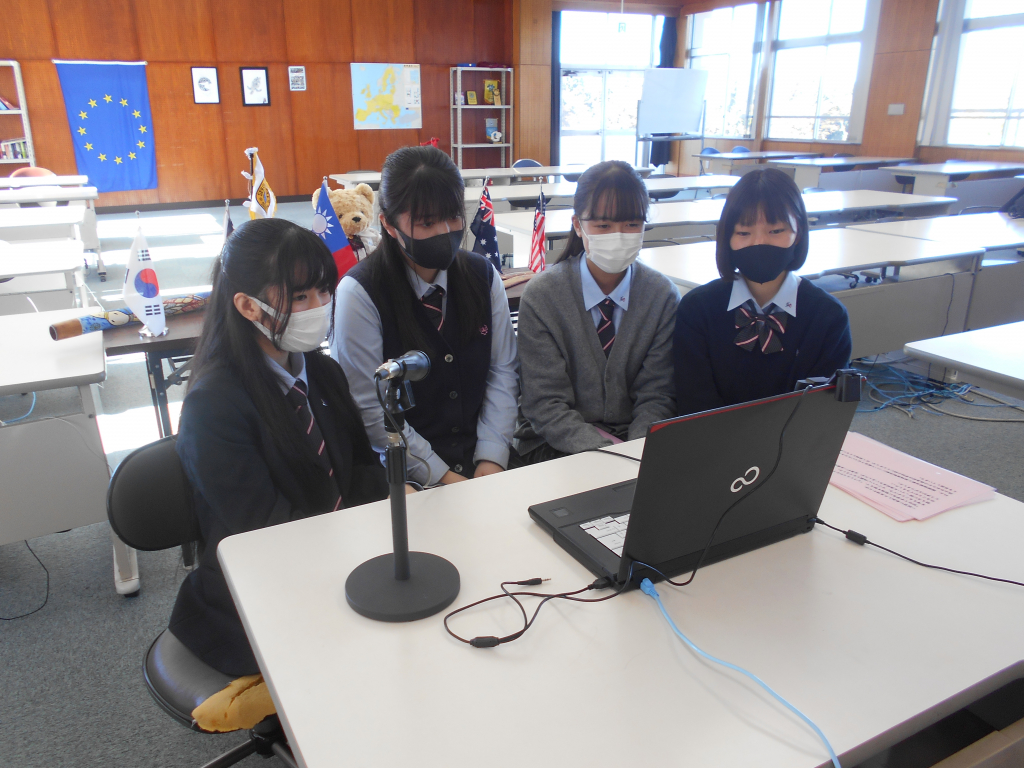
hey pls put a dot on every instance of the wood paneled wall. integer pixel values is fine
(302, 135)
(531, 44)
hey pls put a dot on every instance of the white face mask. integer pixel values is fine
(615, 251)
(306, 330)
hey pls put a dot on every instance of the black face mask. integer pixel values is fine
(437, 252)
(762, 263)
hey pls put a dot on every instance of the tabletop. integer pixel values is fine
(774, 154)
(12, 218)
(32, 361)
(568, 188)
(183, 332)
(373, 177)
(43, 181)
(840, 162)
(834, 250)
(37, 258)
(993, 352)
(47, 194)
(870, 647)
(990, 231)
(949, 169)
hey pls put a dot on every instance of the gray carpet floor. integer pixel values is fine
(71, 688)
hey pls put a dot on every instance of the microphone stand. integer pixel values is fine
(402, 585)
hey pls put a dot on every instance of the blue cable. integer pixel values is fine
(648, 589)
(31, 408)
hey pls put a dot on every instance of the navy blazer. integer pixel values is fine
(242, 483)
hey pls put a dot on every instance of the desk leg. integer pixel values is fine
(718, 167)
(126, 567)
(158, 390)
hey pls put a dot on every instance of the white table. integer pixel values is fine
(86, 196)
(53, 471)
(565, 190)
(74, 222)
(806, 171)
(723, 162)
(33, 265)
(871, 647)
(43, 181)
(990, 231)
(990, 357)
(933, 178)
(496, 174)
(687, 214)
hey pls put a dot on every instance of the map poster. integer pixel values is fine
(386, 96)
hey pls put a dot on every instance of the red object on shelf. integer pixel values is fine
(434, 141)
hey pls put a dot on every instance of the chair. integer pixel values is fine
(662, 194)
(741, 150)
(957, 176)
(842, 168)
(36, 172)
(706, 151)
(149, 506)
(811, 190)
(526, 163)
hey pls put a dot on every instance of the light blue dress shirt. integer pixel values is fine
(285, 376)
(785, 299)
(593, 295)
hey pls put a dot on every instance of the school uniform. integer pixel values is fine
(466, 407)
(594, 366)
(241, 482)
(727, 349)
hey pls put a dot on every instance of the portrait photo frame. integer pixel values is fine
(255, 86)
(205, 86)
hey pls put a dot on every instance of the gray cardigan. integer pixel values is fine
(569, 387)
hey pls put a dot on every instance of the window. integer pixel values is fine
(980, 102)
(821, 69)
(727, 43)
(603, 58)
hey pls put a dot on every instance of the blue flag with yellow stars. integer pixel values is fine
(111, 125)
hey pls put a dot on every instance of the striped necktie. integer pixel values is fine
(756, 331)
(298, 399)
(606, 326)
(432, 302)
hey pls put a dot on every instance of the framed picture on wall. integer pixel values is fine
(205, 89)
(255, 87)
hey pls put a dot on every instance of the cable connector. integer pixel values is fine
(485, 642)
(603, 583)
(531, 582)
(647, 587)
(857, 538)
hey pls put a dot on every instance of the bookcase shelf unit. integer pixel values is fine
(22, 112)
(503, 112)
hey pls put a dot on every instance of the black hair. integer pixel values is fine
(260, 254)
(766, 192)
(426, 184)
(611, 190)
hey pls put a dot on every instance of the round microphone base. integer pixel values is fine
(373, 591)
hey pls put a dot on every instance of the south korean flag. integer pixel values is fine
(142, 289)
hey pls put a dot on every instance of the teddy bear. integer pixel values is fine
(354, 208)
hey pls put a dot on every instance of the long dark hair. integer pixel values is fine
(769, 192)
(260, 254)
(423, 182)
(611, 190)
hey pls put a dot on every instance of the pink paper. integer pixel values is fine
(615, 440)
(901, 486)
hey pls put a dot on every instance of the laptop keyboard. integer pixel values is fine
(610, 531)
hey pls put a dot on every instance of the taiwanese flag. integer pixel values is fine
(327, 226)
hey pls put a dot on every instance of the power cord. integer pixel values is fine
(45, 599)
(861, 539)
(21, 418)
(387, 413)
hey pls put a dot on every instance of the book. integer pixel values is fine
(490, 86)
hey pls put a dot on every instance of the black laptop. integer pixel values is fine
(696, 467)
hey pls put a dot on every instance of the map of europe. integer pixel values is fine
(386, 96)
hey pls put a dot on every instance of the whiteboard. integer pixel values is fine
(672, 101)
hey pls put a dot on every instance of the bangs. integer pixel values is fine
(612, 202)
(304, 262)
(432, 195)
(774, 210)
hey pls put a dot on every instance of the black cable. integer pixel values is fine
(861, 539)
(611, 453)
(387, 413)
(45, 599)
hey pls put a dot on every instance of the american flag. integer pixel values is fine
(538, 245)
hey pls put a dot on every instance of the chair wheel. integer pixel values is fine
(133, 594)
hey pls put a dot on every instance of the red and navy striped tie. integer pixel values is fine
(606, 327)
(433, 303)
(298, 399)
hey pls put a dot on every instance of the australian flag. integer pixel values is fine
(111, 125)
(328, 228)
(486, 234)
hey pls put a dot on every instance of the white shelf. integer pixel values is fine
(22, 113)
(482, 69)
(483, 106)
(503, 119)
(10, 112)
(22, 160)
(480, 146)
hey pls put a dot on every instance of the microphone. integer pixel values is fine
(412, 366)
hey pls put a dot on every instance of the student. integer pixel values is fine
(595, 330)
(268, 430)
(419, 290)
(759, 328)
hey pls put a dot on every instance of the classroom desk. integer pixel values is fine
(933, 178)
(54, 472)
(723, 162)
(806, 171)
(74, 222)
(931, 278)
(35, 264)
(870, 647)
(43, 181)
(989, 357)
(699, 217)
(500, 175)
(563, 191)
(87, 195)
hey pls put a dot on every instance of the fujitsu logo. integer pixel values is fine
(739, 482)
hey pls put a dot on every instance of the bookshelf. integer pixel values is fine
(461, 79)
(24, 143)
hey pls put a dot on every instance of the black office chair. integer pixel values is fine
(149, 506)
(662, 194)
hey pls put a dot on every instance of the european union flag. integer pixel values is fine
(111, 125)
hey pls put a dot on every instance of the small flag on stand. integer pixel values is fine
(142, 289)
(328, 228)
(228, 226)
(538, 244)
(483, 228)
(262, 203)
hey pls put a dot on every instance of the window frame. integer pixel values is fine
(867, 37)
(937, 109)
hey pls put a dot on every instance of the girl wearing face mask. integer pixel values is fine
(420, 290)
(758, 329)
(595, 330)
(268, 430)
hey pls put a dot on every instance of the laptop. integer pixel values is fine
(694, 468)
